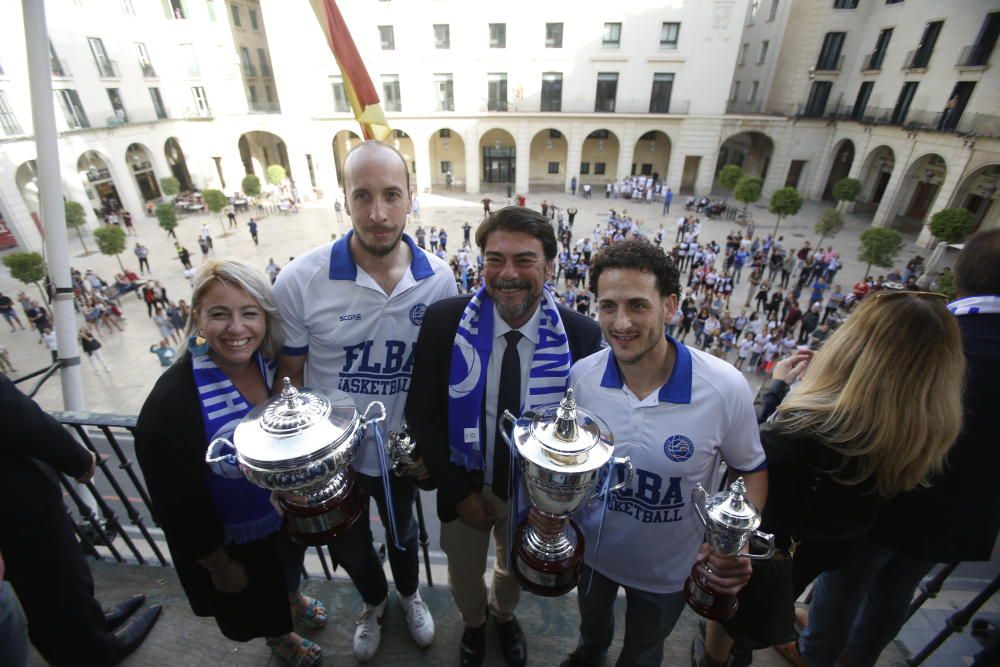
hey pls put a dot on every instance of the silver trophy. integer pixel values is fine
(731, 522)
(561, 451)
(301, 444)
(401, 450)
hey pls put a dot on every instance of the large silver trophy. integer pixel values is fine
(300, 444)
(561, 451)
(731, 522)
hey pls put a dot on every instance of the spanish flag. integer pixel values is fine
(357, 84)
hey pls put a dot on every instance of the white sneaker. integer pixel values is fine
(368, 633)
(418, 619)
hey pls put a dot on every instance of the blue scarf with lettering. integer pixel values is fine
(467, 376)
(243, 508)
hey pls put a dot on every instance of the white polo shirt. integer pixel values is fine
(675, 438)
(358, 338)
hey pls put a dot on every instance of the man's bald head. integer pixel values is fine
(366, 147)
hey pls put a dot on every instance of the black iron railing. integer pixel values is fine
(116, 514)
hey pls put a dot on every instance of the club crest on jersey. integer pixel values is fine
(417, 314)
(678, 448)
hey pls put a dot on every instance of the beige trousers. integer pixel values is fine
(466, 549)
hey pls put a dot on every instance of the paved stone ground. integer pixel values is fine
(134, 370)
(550, 624)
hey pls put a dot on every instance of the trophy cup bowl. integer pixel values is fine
(731, 522)
(300, 445)
(561, 453)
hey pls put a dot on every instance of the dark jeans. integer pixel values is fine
(649, 618)
(357, 554)
(143, 264)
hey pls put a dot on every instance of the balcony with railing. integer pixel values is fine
(872, 62)
(108, 69)
(249, 69)
(974, 57)
(60, 68)
(148, 72)
(265, 107)
(829, 65)
(127, 554)
(743, 106)
(918, 59)
(618, 105)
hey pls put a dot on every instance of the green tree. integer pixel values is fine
(111, 241)
(730, 176)
(830, 222)
(276, 174)
(250, 185)
(846, 190)
(784, 202)
(75, 219)
(747, 190)
(951, 225)
(879, 246)
(170, 185)
(28, 267)
(946, 284)
(167, 215)
(216, 200)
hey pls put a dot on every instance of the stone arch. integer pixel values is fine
(343, 142)
(843, 158)
(402, 142)
(259, 150)
(599, 158)
(651, 155)
(917, 192)
(498, 150)
(875, 175)
(750, 150)
(447, 154)
(977, 193)
(178, 163)
(547, 162)
(98, 182)
(26, 178)
(140, 163)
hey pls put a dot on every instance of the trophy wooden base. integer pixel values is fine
(705, 601)
(317, 525)
(543, 577)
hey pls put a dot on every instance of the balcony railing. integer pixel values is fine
(265, 107)
(830, 65)
(872, 62)
(108, 69)
(586, 106)
(116, 513)
(979, 125)
(974, 56)
(60, 68)
(249, 70)
(917, 59)
(743, 106)
(147, 70)
(973, 124)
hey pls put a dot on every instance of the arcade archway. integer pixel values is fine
(547, 162)
(447, 156)
(140, 163)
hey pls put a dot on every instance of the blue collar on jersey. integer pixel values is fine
(678, 386)
(342, 266)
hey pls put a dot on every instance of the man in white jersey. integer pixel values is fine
(674, 411)
(351, 312)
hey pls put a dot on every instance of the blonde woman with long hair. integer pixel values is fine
(874, 415)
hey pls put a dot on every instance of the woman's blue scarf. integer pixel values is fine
(244, 509)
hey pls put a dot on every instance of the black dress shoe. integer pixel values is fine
(512, 644)
(472, 650)
(574, 660)
(118, 614)
(131, 635)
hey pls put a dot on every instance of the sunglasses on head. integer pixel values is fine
(922, 295)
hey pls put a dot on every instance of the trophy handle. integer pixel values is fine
(698, 498)
(221, 462)
(623, 461)
(366, 420)
(768, 539)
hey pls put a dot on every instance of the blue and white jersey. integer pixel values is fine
(675, 438)
(358, 339)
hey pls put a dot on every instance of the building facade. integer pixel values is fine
(521, 95)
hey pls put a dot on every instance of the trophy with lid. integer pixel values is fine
(561, 451)
(731, 521)
(300, 444)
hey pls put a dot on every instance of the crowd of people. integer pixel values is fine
(864, 407)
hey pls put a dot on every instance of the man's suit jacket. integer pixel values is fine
(427, 402)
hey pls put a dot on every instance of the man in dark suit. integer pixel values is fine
(465, 456)
(44, 562)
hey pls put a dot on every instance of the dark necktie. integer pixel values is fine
(508, 398)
